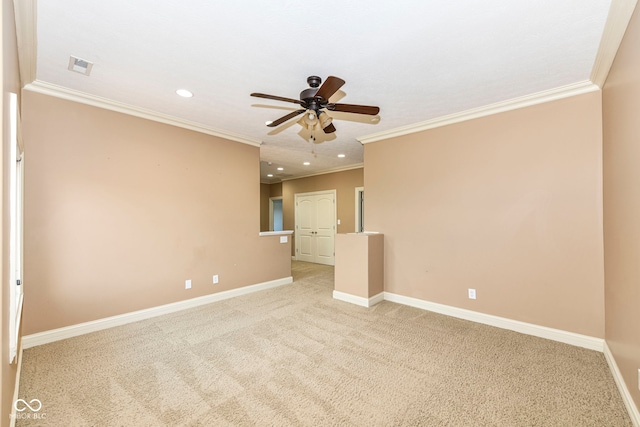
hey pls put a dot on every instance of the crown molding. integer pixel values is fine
(618, 19)
(324, 172)
(487, 110)
(26, 35)
(321, 172)
(108, 104)
(620, 13)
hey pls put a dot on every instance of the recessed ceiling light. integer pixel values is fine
(341, 155)
(184, 93)
(268, 122)
(280, 169)
(270, 175)
(306, 163)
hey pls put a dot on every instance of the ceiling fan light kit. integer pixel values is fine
(310, 118)
(314, 100)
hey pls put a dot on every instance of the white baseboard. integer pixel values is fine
(361, 301)
(632, 409)
(46, 337)
(585, 341)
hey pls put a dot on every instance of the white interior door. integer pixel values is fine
(325, 228)
(305, 228)
(316, 227)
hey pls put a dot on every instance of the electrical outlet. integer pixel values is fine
(472, 294)
(215, 279)
(187, 284)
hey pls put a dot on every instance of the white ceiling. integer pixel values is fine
(417, 60)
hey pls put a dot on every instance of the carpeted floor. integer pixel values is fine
(293, 356)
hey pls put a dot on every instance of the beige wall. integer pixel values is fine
(11, 83)
(120, 211)
(621, 109)
(509, 204)
(344, 183)
(275, 190)
(359, 266)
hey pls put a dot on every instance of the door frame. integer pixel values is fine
(16, 224)
(359, 222)
(271, 199)
(334, 194)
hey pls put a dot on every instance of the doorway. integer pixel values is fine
(359, 210)
(275, 213)
(315, 222)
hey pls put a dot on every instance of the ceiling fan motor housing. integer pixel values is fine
(308, 95)
(314, 81)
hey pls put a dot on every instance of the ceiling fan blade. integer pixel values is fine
(277, 98)
(329, 87)
(353, 108)
(285, 118)
(329, 129)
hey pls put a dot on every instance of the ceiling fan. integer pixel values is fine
(314, 101)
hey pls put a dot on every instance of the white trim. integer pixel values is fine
(618, 19)
(585, 341)
(317, 193)
(15, 185)
(358, 213)
(16, 390)
(361, 301)
(276, 233)
(323, 172)
(632, 409)
(26, 36)
(47, 337)
(487, 110)
(108, 104)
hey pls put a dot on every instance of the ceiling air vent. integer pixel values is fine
(80, 65)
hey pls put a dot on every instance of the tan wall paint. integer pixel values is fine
(508, 204)
(11, 83)
(275, 190)
(120, 211)
(359, 268)
(344, 183)
(621, 106)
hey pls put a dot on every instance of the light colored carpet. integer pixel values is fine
(294, 356)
